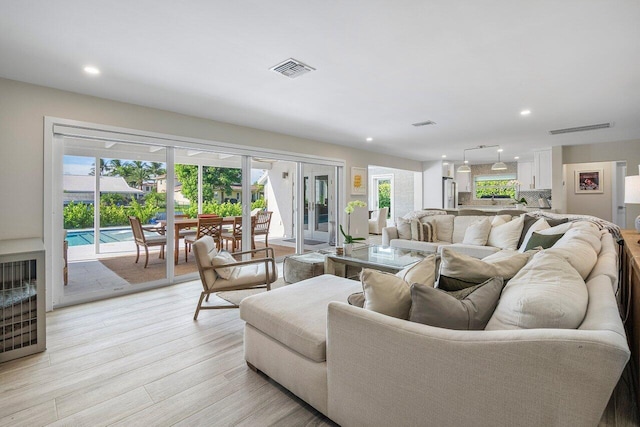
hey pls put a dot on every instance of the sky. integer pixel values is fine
(77, 165)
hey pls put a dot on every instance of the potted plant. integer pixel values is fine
(349, 240)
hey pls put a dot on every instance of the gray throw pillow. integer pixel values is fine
(435, 307)
(357, 299)
(530, 220)
(545, 241)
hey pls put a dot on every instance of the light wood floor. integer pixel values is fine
(141, 360)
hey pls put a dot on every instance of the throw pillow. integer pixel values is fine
(443, 310)
(458, 271)
(404, 228)
(500, 219)
(540, 224)
(506, 236)
(417, 232)
(356, 299)
(544, 241)
(580, 248)
(223, 258)
(429, 231)
(547, 293)
(423, 272)
(557, 229)
(527, 221)
(385, 293)
(477, 233)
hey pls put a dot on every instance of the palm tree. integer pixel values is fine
(156, 169)
(139, 173)
(104, 168)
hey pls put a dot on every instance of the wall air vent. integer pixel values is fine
(291, 68)
(427, 123)
(581, 128)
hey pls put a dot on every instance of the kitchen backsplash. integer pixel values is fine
(531, 197)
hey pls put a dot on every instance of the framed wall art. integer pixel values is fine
(358, 181)
(588, 181)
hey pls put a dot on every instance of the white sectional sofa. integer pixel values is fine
(362, 368)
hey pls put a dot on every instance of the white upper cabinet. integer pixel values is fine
(464, 181)
(542, 169)
(525, 175)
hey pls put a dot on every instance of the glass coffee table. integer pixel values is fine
(383, 258)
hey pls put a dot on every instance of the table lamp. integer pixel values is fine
(632, 194)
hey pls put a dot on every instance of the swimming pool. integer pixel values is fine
(110, 235)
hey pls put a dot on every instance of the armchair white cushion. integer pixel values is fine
(377, 224)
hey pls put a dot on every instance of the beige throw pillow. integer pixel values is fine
(443, 310)
(223, 258)
(404, 228)
(385, 293)
(390, 294)
(477, 233)
(506, 236)
(458, 270)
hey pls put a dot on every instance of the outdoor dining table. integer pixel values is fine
(183, 223)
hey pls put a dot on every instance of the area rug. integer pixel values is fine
(309, 242)
(234, 297)
(126, 267)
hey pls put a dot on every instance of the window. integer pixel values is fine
(494, 186)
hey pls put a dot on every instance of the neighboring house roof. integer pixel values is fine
(86, 184)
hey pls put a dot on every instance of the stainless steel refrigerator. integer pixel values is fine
(449, 193)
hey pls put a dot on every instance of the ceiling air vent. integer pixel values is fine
(427, 123)
(580, 128)
(291, 68)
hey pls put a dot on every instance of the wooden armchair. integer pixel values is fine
(145, 241)
(254, 273)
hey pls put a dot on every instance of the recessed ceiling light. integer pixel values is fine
(89, 69)
(525, 112)
(516, 157)
(500, 150)
(445, 163)
(369, 139)
(444, 156)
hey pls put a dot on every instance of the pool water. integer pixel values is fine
(86, 237)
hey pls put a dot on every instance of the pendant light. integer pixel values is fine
(499, 166)
(464, 167)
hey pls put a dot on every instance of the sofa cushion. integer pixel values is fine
(441, 309)
(547, 293)
(540, 224)
(506, 236)
(580, 247)
(356, 299)
(296, 315)
(477, 233)
(423, 272)
(465, 269)
(543, 241)
(557, 229)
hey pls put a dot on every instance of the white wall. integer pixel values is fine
(23, 108)
(628, 151)
(597, 204)
(432, 184)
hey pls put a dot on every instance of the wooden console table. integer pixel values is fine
(630, 297)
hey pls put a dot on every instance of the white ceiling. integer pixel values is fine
(469, 65)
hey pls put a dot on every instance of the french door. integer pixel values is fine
(318, 202)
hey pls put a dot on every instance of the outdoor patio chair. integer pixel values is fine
(208, 225)
(234, 235)
(141, 239)
(261, 227)
(254, 273)
(379, 222)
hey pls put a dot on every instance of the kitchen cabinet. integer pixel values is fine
(525, 176)
(542, 169)
(464, 182)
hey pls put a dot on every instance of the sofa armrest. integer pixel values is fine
(382, 369)
(388, 234)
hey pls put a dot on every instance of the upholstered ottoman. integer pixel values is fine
(301, 267)
(285, 335)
